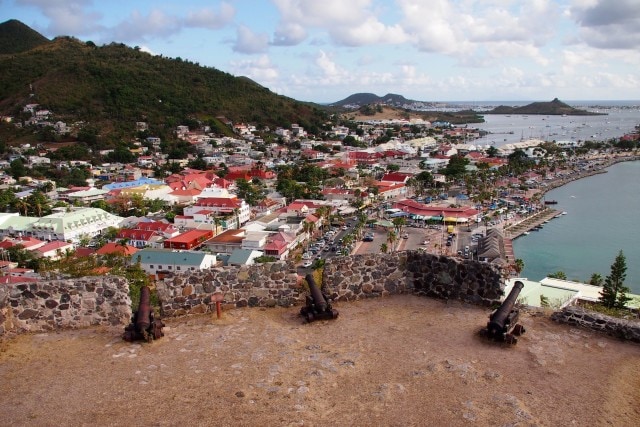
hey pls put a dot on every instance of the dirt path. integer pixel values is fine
(396, 361)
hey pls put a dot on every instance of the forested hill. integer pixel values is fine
(361, 99)
(115, 83)
(555, 107)
(16, 37)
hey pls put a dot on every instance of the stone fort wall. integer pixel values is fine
(104, 300)
(344, 279)
(58, 304)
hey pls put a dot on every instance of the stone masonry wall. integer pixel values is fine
(264, 285)
(578, 316)
(344, 279)
(73, 303)
(373, 275)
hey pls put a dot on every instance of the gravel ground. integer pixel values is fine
(397, 361)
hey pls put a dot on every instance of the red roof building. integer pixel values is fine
(188, 240)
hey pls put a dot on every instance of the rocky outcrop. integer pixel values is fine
(578, 316)
(73, 303)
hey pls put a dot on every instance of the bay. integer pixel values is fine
(602, 219)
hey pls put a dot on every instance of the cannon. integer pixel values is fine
(503, 322)
(317, 304)
(143, 326)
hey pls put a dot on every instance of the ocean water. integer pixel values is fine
(603, 217)
(506, 129)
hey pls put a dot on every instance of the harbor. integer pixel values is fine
(533, 222)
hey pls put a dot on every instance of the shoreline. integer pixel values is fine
(597, 169)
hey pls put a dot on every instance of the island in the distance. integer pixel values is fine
(553, 108)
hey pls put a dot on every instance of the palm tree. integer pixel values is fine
(399, 223)
(392, 237)
(21, 204)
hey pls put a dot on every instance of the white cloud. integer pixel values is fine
(289, 34)
(249, 42)
(260, 69)
(348, 23)
(139, 27)
(608, 24)
(208, 18)
(67, 17)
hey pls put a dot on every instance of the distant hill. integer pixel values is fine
(17, 37)
(361, 99)
(114, 86)
(553, 108)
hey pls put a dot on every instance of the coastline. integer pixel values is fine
(600, 168)
(597, 169)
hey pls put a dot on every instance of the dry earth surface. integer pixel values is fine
(398, 361)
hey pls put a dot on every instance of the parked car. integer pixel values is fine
(307, 264)
(405, 236)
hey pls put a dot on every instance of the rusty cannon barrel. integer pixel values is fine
(143, 326)
(143, 319)
(317, 304)
(502, 325)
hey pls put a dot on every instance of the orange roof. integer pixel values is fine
(112, 247)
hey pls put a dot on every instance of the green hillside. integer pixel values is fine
(114, 84)
(16, 37)
(555, 107)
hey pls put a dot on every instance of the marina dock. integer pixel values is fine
(536, 220)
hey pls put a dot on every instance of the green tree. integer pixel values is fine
(456, 166)
(17, 169)
(519, 265)
(596, 280)
(558, 275)
(614, 292)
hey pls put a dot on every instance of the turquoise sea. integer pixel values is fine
(603, 217)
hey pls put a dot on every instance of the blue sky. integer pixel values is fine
(428, 50)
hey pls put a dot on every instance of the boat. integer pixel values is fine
(550, 202)
(526, 233)
(563, 213)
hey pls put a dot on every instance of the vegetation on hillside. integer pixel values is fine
(113, 86)
(555, 107)
(16, 37)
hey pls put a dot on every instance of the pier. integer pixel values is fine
(527, 224)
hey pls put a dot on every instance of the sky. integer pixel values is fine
(427, 50)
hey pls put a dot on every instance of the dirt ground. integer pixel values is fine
(398, 361)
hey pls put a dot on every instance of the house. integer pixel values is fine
(395, 178)
(137, 238)
(188, 240)
(86, 197)
(54, 250)
(227, 241)
(221, 206)
(279, 245)
(162, 261)
(117, 248)
(73, 225)
(243, 257)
